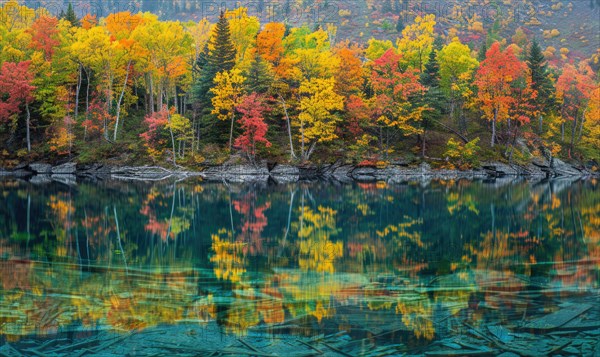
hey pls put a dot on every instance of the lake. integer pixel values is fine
(312, 268)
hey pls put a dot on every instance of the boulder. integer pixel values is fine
(68, 168)
(285, 173)
(425, 168)
(366, 174)
(342, 173)
(237, 173)
(138, 172)
(561, 168)
(498, 169)
(40, 168)
(285, 170)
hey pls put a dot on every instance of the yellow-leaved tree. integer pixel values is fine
(416, 42)
(228, 91)
(317, 119)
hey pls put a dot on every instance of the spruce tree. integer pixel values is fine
(433, 97)
(205, 73)
(258, 76)
(431, 73)
(540, 80)
(482, 51)
(222, 58)
(70, 16)
(400, 24)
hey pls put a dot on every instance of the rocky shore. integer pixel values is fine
(70, 172)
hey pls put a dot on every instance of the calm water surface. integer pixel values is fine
(361, 268)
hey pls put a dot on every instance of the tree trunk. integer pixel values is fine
(231, 132)
(151, 93)
(27, 124)
(119, 101)
(581, 126)
(541, 124)
(87, 94)
(494, 127)
(573, 130)
(77, 94)
(289, 127)
(302, 140)
(172, 139)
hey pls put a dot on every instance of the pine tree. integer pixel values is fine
(431, 73)
(222, 58)
(400, 24)
(433, 98)
(540, 80)
(259, 78)
(482, 51)
(70, 16)
(209, 63)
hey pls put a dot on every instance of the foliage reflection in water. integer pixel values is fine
(406, 265)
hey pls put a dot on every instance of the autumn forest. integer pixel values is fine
(138, 89)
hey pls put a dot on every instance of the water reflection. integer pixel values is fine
(374, 259)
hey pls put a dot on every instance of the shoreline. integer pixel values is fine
(71, 172)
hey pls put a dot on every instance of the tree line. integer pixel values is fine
(188, 93)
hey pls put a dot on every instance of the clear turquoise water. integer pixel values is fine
(393, 264)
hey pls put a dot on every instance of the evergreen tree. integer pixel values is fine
(397, 7)
(431, 73)
(69, 15)
(399, 24)
(205, 73)
(222, 58)
(433, 98)
(208, 64)
(482, 51)
(540, 79)
(258, 77)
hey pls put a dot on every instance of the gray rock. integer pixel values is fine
(237, 173)
(561, 168)
(151, 173)
(538, 171)
(425, 168)
(40, 168)
(343, 173)
(285, 173)
(497, 169)
(40, 179)
(65, 169)
(364, 174)
(540, 162)
(285, 170)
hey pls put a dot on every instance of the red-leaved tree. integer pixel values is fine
(16, 90)
(252, 122)
(44, 35)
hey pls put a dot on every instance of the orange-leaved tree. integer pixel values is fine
(497, 79)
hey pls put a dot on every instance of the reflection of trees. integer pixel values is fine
(316, 250)
(228, 256)
(254, 221)
(283, 252)
(167, 227)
